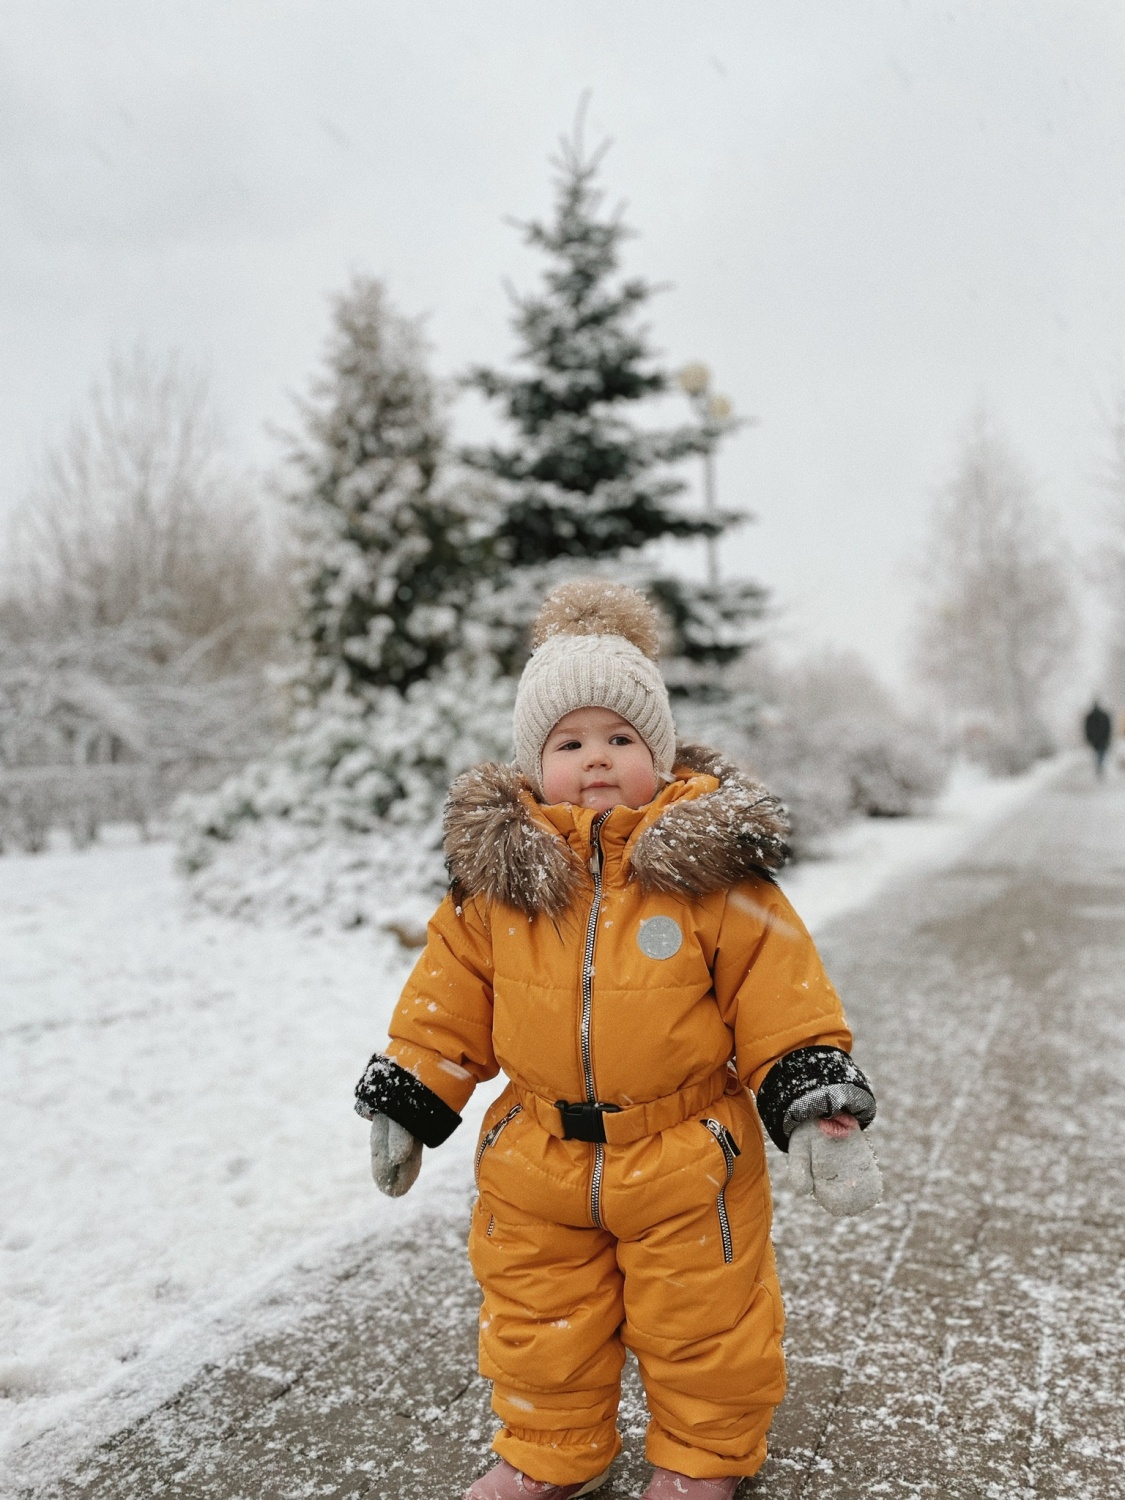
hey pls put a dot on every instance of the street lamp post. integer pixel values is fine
(695, 382)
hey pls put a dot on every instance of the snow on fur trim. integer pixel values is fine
(810, 1083)
(712, 842)
(591, 606)
(494, 847)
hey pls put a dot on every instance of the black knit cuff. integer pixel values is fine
(812, 1082)
(388, 1089)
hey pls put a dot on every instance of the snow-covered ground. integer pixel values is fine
(175, 1127)
(175, 1109)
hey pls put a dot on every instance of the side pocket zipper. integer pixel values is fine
(490, 1138)
(729, 1148)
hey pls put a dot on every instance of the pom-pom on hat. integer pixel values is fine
(595, 645)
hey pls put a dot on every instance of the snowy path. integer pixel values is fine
(175, 1128)
(185, 1178)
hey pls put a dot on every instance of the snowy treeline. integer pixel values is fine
(140, 606)
(105, 726)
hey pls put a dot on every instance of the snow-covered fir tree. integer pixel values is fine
(388, 557)
(581, 482)
(395, 689)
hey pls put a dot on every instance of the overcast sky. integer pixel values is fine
(871, 215)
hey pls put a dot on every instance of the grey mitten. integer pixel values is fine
(396, 1156)
(840, 1172)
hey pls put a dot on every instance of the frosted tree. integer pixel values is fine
(996, 619)
(395, 688)
(141, 602)
(580, 482)
(138, 521)
(388, 557)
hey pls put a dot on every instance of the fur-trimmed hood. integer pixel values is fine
(723, 827)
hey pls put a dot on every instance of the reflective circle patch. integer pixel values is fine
(659, 937)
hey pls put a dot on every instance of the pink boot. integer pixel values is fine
(505, 1483)
(666, 1484)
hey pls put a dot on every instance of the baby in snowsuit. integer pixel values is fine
(614, 941)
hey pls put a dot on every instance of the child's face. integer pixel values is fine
(594, 758)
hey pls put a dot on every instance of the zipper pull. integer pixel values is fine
(596, 844)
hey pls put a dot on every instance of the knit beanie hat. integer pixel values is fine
(594, 645)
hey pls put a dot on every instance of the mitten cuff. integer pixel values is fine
(822, 1103)
(386, 1088)
(812, 1083)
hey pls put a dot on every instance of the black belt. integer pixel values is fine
(585, 1121)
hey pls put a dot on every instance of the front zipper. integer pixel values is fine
(491, 1136)
(729, 1148)
(587, 1007)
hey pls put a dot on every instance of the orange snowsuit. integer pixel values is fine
(634, 974)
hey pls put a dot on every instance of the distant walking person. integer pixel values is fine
(1099, 732)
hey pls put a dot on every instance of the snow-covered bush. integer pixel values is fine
(1003, 750)
(356, 764)
(321, 878)
(34, 800)
(832, 744)
(341, 823)
(109, 725)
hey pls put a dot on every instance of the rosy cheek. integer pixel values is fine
(556, 782)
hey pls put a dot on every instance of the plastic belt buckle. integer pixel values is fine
(585, 1121)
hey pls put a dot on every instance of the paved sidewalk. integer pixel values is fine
(965, 1340)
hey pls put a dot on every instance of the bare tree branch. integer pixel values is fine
(138, 515)
(996, 620)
